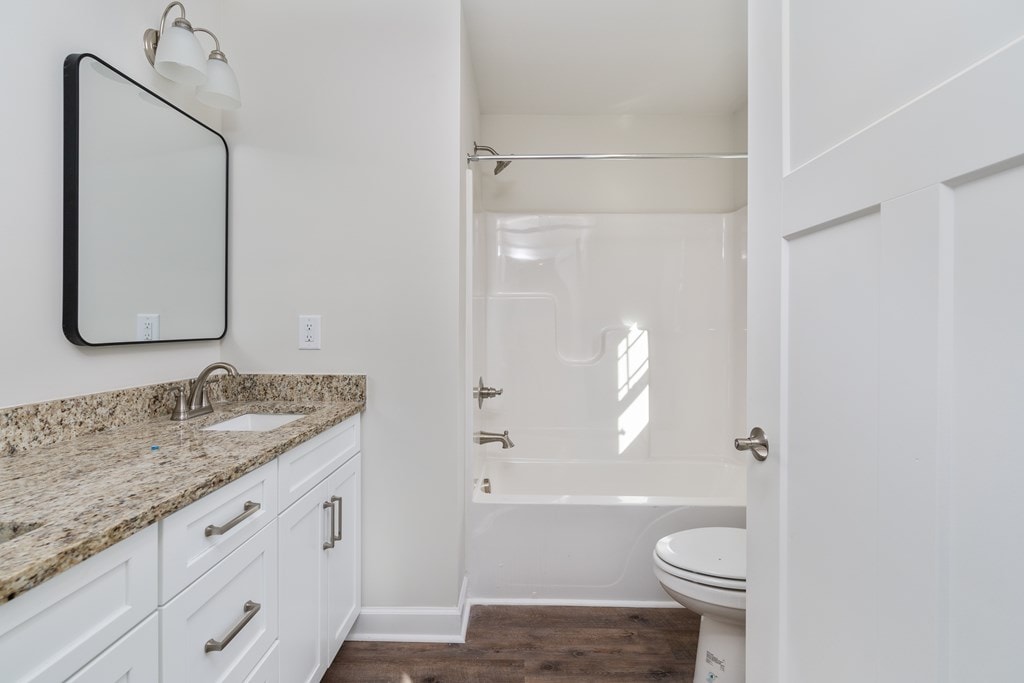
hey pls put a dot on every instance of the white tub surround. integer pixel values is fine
(615, 337)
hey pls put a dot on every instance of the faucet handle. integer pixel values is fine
(180, 411)
(480, 392)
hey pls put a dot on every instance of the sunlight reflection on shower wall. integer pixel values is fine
(615, 336)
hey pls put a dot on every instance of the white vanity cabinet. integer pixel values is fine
(319, 572)
(227, 589)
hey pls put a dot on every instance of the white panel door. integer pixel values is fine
(885, 343)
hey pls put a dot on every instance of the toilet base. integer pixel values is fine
(721, 652)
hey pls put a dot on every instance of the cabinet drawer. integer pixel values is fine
(267, 670)
(306, 465)
(199, 536)
(232, 607)
(54, 629)
(133, 659)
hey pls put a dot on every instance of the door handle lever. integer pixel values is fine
(757, 444)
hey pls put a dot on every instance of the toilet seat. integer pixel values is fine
(701, 579)
(713, 556)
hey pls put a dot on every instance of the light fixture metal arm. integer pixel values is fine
(167, 10)
(210, 33)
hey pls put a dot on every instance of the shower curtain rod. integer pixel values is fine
(614, 157)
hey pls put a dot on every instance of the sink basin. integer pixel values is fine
(253, 422)
(10, 530)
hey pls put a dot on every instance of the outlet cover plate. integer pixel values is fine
(309, 332)
(147, 327)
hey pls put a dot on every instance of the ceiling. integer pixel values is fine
(608, 56)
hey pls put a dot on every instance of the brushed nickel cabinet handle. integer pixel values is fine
(337, 536)
(249, 610)
(248, 510)
(330, 542)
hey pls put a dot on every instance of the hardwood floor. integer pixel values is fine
(526, 644)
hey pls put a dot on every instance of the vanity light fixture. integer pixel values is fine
(176, 54)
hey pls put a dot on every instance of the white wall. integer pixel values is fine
(346, 193)
(469, 125)
(662, 186)
(36, 362)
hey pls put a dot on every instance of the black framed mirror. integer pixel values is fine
(145, 214)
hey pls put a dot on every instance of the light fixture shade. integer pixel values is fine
(221, 88)
(179, 57)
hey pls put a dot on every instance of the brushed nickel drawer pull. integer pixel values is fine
(249, 610)
(330, 542)
(248, 510)
(337, 536)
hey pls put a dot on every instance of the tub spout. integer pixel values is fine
(493, 437)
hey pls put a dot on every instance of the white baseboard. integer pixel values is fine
(554, 602)
(414, 624)
(448, 624)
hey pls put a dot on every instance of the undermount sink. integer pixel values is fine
(253, 422)
(10, 530)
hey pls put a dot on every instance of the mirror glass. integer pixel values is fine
(145, 214)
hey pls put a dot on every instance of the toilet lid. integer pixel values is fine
(715, 551)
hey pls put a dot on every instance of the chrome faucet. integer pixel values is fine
(197, 402)
(493, 437)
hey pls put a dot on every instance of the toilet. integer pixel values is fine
(705, 570)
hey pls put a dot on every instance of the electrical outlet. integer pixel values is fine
(147, 327)
(309, 332)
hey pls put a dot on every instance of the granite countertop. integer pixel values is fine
(82, 495)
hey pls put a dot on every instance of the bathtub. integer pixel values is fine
(582, 533)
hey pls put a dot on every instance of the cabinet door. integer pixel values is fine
(343, 560)
(305, 528)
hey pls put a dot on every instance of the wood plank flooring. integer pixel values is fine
(526, 644)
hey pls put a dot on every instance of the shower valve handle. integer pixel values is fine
(756, 444)
(480, 392)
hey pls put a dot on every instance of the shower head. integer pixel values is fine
(500, 165)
